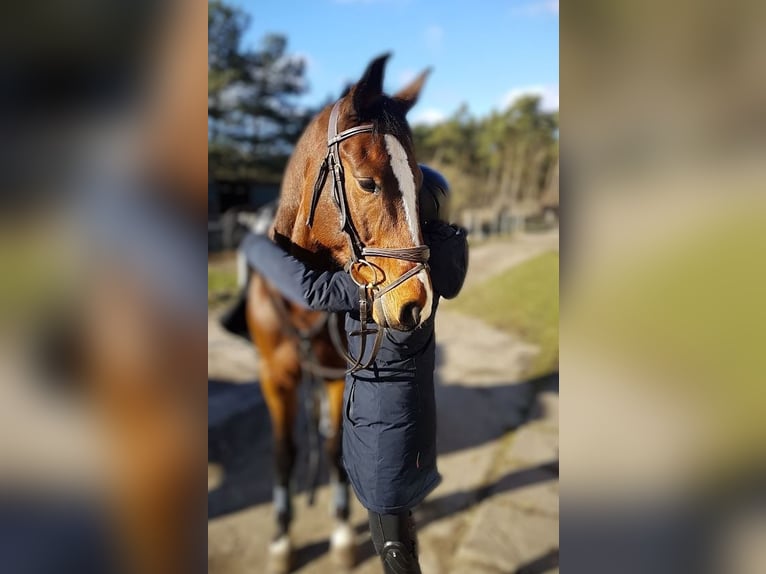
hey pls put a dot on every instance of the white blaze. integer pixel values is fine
(400, 165)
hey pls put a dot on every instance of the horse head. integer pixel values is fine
(364, 217)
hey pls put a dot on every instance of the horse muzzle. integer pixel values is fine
(407, 306)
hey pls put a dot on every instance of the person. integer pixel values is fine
(389, 427)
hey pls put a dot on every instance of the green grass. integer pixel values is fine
(524, 301)
(221, 283)
(686, 318)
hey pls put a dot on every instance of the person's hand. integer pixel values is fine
(442, 230)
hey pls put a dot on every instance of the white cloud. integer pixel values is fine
(549, 96)
(434, 37)
(429, 116)
(552, 7)
(537, 8)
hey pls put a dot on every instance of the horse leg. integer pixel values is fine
(281, 400)
(342, 543)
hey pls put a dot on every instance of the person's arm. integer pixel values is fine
(449, 257)
(309, 288)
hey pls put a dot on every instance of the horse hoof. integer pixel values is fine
(343, 546)
(280, 553)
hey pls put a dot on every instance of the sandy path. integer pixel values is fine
(479, 402)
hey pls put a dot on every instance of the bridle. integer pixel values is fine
(370, 292)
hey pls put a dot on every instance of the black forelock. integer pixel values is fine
(387, 117)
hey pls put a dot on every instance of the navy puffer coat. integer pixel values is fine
(389, 427)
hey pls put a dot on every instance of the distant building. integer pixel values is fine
(226, 199)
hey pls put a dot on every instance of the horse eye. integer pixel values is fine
(367, 184)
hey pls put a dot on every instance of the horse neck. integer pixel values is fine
(290, 227)
(295, 181)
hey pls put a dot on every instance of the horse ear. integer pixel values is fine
(346, 90)
(370, 88)
(408, 96)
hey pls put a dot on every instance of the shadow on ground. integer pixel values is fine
(435, 509)
(239, 433)
(544, 563)
(239, 439)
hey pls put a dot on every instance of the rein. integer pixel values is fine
(304, 338)
(370, 293)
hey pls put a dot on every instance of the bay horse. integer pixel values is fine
(363, 218)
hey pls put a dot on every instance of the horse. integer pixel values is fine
(362, 218)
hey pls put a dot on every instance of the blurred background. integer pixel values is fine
(662, 426)
(102, 236)
(488, 120)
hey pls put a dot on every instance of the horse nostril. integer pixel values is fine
(410, 316)
(415, 314)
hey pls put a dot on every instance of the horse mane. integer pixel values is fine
(296, 173)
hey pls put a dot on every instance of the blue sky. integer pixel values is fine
(483, 52)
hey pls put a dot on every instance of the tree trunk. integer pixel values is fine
(505, 179)
(521, 151)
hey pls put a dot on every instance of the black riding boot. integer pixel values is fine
(393, 536)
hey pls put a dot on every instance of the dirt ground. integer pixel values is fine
(497, 507)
